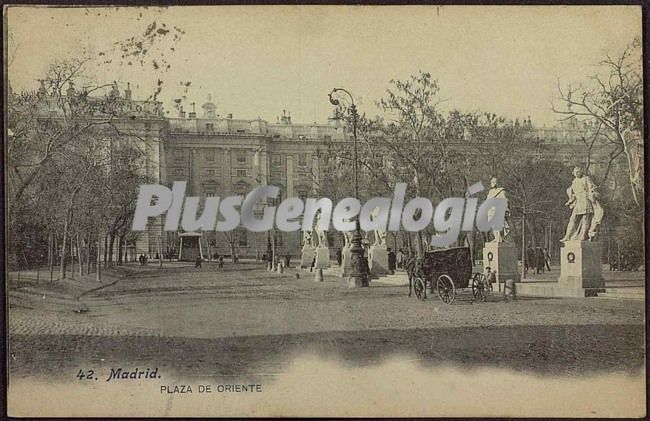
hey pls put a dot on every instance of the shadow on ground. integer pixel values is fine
(551, 350)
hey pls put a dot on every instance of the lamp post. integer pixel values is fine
(270, 244)
(358, 262)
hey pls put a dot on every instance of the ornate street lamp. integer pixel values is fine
(358, 262)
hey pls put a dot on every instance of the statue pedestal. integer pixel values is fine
(378, 260)
(322, 257)
(346, 264)
(581, 265)
(502, 259)
(307, 256)
(580, 273)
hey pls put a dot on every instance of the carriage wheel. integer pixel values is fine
(420, 288)
(480, 288)
(446, 289)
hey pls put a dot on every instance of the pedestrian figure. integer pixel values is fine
(220, 261)
(490, 278)
(392, 260)
(529, 261)
(198, 262)
(400, 259)
(313, 263)
(539, 260)
(339, 257)
(547, 259)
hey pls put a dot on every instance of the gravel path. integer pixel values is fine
(243, 321)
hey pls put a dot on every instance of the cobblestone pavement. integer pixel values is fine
(179, 313)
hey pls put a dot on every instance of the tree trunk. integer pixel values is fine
(533, 233)
(98, 273)
(80, 254)
(63, 251)
(631, 170)
(120, 245)
(51, 254)
(87, 243)
(420, 246)
(71, 257)
(111, 243)
(105, 250)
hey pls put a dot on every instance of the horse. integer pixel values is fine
(413, 267)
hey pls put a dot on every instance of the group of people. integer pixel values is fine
(395, 260)
(286, 260)
(144, 258)
(627, 262)
(198, 261)
(537, 259)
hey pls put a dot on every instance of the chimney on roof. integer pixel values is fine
(181, 112)
(229, 116)
(127, 91)
(286, 118)
(209, 108)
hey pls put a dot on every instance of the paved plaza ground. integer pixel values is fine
(244, 322)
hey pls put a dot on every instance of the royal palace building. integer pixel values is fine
(220, 155)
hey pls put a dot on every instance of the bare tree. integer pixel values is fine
(613, 101)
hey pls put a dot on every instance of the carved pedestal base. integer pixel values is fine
(581, 265)
(307, 256)
(502, 259)
(346, 264)
(378, 261)
(322, 257)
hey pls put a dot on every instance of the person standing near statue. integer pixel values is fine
(586, 211)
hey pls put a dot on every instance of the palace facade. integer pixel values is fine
(219, 155)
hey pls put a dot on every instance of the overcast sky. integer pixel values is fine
(257, 61)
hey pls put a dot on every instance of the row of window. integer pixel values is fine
(212, 172)
(241, 157)
(210, 155)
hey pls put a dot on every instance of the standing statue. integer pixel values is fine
(499, 192)
(320, 234)
(380, 235)
(115, 90)
(307, 238)
(586, 212)
(347, 235)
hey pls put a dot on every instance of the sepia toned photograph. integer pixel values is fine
(324, 211)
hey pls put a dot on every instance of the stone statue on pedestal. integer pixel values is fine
(320, 234)
(307, 239)
(587, 213)
(499, 192)
(347, 236)
(308, 249)
(380, 235)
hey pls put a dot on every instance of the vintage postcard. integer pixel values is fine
(324, 211)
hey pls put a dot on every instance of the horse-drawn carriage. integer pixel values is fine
(448, 271)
